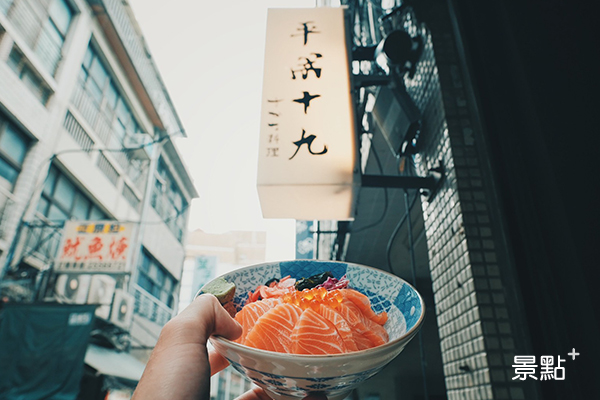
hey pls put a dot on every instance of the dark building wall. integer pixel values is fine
(509, 234)
(534, 70)
(485, 311)
(477, 300)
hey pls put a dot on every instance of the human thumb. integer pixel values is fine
(224, 325)
(206, 317)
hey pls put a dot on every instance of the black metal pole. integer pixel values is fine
(403, 182)
(317, 240)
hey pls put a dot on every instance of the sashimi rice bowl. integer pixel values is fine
(315, 326)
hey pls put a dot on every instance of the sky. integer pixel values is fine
(210, 55)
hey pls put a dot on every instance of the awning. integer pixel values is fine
(42, 347)
(113, 363)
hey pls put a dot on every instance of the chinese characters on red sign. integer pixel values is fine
(94, 247)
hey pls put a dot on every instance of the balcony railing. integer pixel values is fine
(100, 121)
(90, 110)
(78, 133)
(42, 239)
(150, 307)
(28, 18)
(167, 211)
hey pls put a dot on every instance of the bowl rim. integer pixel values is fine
(274, 354)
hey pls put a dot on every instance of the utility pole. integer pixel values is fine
(136, 243)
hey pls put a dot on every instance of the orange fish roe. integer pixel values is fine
(313, 298)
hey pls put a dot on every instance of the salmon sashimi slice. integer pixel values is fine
(341, 325)
(314, 334)
(361, 341)
(355, 318)
(369, 323)
(248, 315)
(363, 302)
(273, 330)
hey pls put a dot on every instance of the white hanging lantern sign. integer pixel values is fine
(307, 164)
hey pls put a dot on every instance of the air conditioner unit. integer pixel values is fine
(102, 289)
(72, 288)
(121, 312)
(138, 144)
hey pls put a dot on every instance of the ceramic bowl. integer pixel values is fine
(293, 376)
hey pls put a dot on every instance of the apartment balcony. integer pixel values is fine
(41, 241)
(38, 246)
(90, 117)
(90, 111)
(28, 18)
(150, 307)
(124, 24)
(168, 213)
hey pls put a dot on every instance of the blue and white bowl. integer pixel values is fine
(293, 376)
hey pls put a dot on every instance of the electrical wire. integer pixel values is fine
(407, 219)
(101, 150)
(118, 150)
(396, 231)
(61, 223)
(164, 221)
(385, 193)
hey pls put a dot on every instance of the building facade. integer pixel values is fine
(86, 128)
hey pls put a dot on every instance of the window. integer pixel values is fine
(13, 148)
(131, 197)
(62, 200)
(52, 37)
(168, 201)
(44, 28)
(154, 279)
(5, 5)
(97, 82)
(30, 78)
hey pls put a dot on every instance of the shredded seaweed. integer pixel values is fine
(273, 280)
(312, 281)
